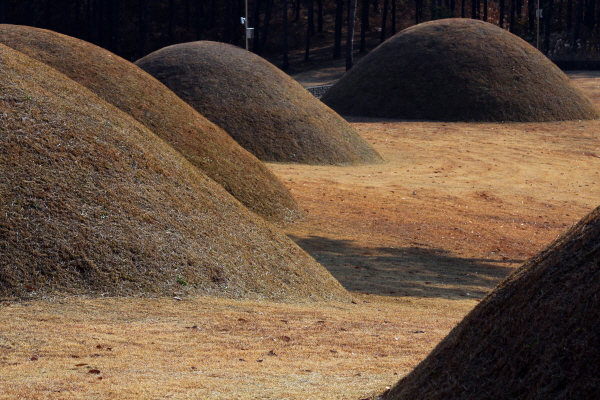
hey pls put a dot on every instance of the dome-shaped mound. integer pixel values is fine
(93, 202)
(134, 91)
(535, 337)
(458, 70)
(263, 109)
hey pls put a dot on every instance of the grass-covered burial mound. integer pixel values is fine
(262, 108)
(535, 337)
(92, 202)
(127, 87)
(458, 70)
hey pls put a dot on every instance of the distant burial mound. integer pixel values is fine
(535, 337)
(92, 202)
(458, 70)
(127, 87)
(263, 109)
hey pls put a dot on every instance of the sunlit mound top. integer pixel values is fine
(534, 337)
(127, 87)
(458, 70)
(92, 202)
(262, 108)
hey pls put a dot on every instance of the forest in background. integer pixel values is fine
(568, 29)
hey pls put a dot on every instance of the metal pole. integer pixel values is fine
(246, 25)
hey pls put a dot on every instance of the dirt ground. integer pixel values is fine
(418, 240)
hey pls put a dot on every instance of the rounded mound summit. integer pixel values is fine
(262, 108)
(458, 70)
(92, 202)
(137, 93)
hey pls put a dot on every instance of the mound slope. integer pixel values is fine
(458, 70)
(534, 337)
(263, 109)
(132, 90)
(93, 202)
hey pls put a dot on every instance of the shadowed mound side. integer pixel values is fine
(458, 70)
(536, 336)
(263, 109)
(92, 202)
(127, 87)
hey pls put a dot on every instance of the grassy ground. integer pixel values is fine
(417, 240)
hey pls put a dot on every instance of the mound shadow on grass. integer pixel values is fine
(93, 203)
(262, 108)
(458, 70)
(138, 94)
(416, 271)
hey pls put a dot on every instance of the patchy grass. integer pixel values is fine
(135, 92)
(262, 108)
(458, 70)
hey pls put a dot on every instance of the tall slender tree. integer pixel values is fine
(286, 45)
(350, 35)
(364, 25)
(337, 35)
(384, 17)
(309, 29)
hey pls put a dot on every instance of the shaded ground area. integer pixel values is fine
(405, 271)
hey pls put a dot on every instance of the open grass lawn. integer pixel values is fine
(417, 240)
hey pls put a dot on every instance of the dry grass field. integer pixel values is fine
(417, 240)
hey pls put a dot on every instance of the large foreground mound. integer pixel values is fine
(93, 202)
(537, 336)
(262, 108)
(140, 95)
(458, 70)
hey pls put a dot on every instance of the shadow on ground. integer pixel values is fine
(406, 271)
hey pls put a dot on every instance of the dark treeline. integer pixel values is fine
(134, 28)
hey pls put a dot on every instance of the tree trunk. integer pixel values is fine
(577, 29)
(297, 17)
(473, 9)
(350, 35)
(144, 10)
(199, 12)
(364, 25)
(320, 16)
(265, 30)
(384, 21)
(501, 16)
(393, 17)
(286, 45)
(547, 25)
(309, 29)
(256, 24)
(463, 13)
(2, 11)
(485, 10)
(171, 28)
(337, 38)
(569, 14)
(512, 16)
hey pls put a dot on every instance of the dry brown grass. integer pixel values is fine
(135, 92)
(92, 202)
(262, 108)
(458, 70)
(487, 196)
(209, 348)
